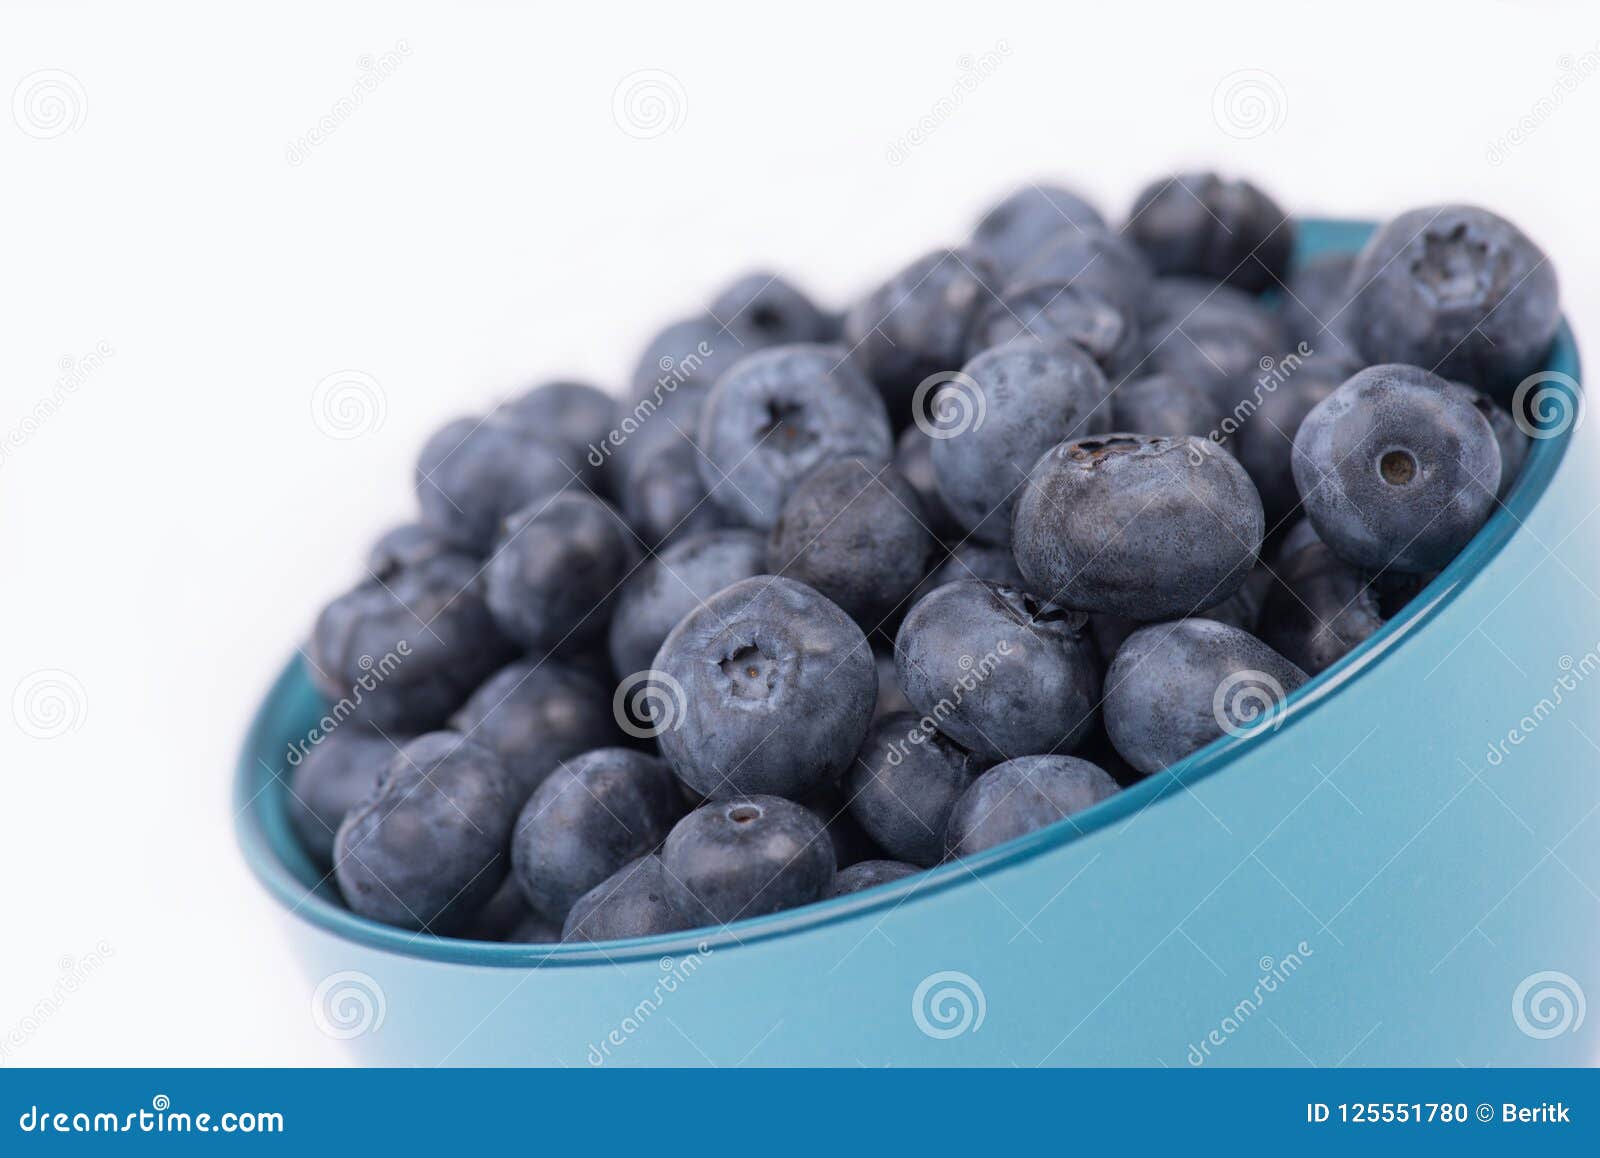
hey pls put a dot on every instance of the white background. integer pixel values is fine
(487, 217)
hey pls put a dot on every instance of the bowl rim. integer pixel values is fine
(254, 776)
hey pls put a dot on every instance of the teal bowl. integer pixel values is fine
(1402, 868)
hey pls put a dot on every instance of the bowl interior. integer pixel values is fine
(293, 707)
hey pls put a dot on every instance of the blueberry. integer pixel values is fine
(1022, 399)
(575, 412)
(903, 784)
(1296, 539)
(429, 847)
(1242, 609)
(1175, 687)
(1172, 299)
(869, 874)
(856, 533)
(968, 560)
(1014, 230)
(850, 841)
(1139, 526)
(404, 651)
(913, 458)
(534, 929)
(1000, 672)
(474, 473)
(635, 901)
(405, 546)
(555, 573)
(337, 774)
(592, 815)
(1264, 442)
(1316, 309)
(535, 713)
(776, 417)
(777, 686)
(1092, 259)
(916, 324)
(1396, 469)
(504, 916)
(1219, 343)
(890, 697)
(665, 418)
(665, 500)
(668, 391)
(1508, 436)
(1459, 290)
(688, 355)
(1165, 404)
(766, 310)
(746, 857)
(1023, 796)
(1200, 224)
(581, 415)
(1321, 610)
(1060, 313)
(672, 584)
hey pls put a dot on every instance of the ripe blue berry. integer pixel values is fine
(1139, 526)
(634, 901)
(1460, 290)
(1396, 469)
(592, 815)
(1029, 397)
(1175, 687)
(777, 686)
(1022, 796)
(429, 847)
(903, 784)
(745, 857)
(556, 572)
(777, 416)
(856, 533)
(1002, 673)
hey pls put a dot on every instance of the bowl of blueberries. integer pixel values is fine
(1135, 644)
